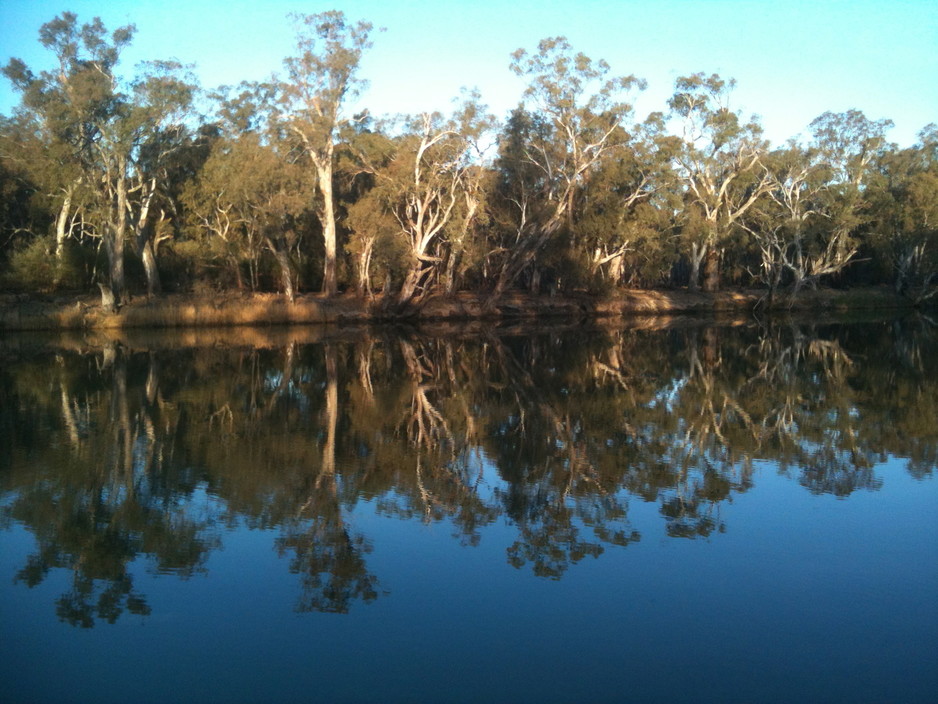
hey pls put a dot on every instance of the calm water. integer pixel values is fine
(683, 512)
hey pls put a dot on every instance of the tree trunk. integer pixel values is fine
(154, 288)
(144, 241)
(286, 275)
(114, 248)
(329, 281)
(60, 234)
(114, 244)
(711, 271)
(409, 288)
(617, 269)
(449, 276)
(535, 280)
(364, 268)
(697, 253)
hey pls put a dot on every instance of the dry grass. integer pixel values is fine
(20, 313)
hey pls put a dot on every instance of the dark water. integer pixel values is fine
(687, 512)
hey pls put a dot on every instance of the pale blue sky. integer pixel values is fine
(792, 60)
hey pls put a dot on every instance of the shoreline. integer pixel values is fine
(34, 313)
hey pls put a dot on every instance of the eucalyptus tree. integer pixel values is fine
(720, 164)
(373, 244)
(850, 144)
(428, 196)
(475, 129)
(848, 148)
(426, 199)
(43, 190)
(817, 200)
(624, 209)
(212, 196)
(783, 224)
(378, 253)
(210, 209)
(25, 207)
(111, 137)
(574, 112)
(438, 199)
(321, 78)
(252, 200)
(163, 95)
(64, 110)
(905, 212)
(84, 98)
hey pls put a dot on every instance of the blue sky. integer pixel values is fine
(792, 60)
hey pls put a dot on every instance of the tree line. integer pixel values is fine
(152, 183)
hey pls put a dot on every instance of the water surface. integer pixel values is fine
(678, 511)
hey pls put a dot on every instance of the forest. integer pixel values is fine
(149, 184)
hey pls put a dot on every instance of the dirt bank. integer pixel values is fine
(20, 312)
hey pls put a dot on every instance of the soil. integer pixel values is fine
(36, 312)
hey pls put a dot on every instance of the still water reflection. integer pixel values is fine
(438, 483)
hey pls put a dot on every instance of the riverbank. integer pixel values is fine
(34, 313)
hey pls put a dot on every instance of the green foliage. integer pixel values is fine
(34, 267)
(903, 213)
(573, 117)
(104, 144)
(719, 163)
(247, 200)
(380, 256)
(201, 263)
(564, 84)
(23, 210)
(321, 78)
(281, 189)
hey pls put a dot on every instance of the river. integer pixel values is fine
(657, 510)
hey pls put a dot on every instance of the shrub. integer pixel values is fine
(34, 267)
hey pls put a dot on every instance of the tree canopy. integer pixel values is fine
(142, 181)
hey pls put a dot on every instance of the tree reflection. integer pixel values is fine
(565, 505)
(103, 498)
(119, 454)
(328, 557)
